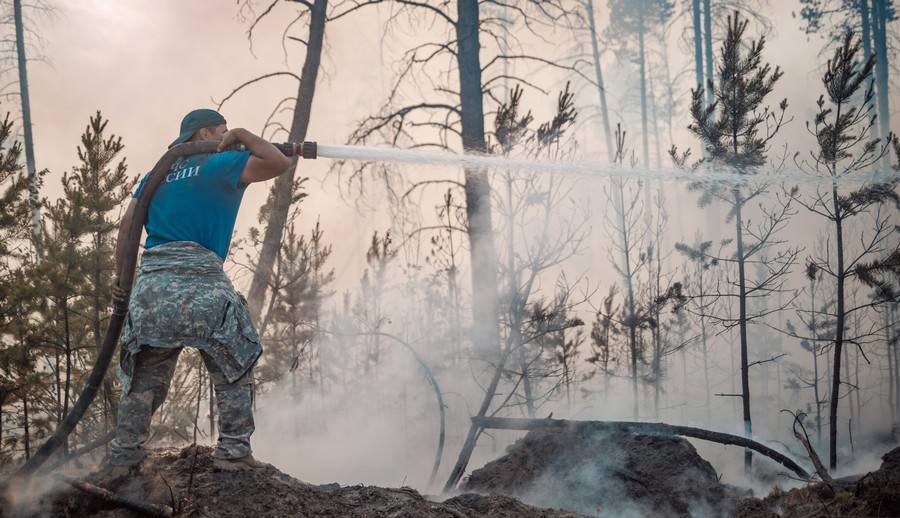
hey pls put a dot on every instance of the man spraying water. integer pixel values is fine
(182, 297)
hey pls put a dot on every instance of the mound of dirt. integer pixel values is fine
(874, 494)
(602, 474)
(187, 481)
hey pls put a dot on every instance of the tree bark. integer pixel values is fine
(33, 194)
(866, 22)
(708, 47)
(879, 12)
(645, 149)
(27, 429)
(282, 189)
(742, 319)
(698, 43)
(838, 331)
(601, 88)
(65, 405)
(486, 335)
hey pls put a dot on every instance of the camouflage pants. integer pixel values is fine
(153, 372)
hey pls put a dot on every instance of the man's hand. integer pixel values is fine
(119, 295)
(231, 138)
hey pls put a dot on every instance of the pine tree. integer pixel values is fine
(18, 297)
(605, 332)
(735, 131)
(293, 332)
(62, 279)
(868, 18)
(845, 147)
(103, 187)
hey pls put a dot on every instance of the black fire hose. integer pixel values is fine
(126, 280)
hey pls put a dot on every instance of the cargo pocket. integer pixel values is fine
(127, 356)
(234, 344)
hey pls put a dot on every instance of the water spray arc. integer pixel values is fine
(581, 168)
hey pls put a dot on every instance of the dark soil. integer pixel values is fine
(874, 494)
(187, 481)
(603, 474)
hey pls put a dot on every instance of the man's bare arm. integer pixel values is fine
(265, 162)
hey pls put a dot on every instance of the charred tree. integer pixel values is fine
(280, 196)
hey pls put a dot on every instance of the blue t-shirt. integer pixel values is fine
(197, 201)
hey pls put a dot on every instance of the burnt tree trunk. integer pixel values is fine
(486, 335)
(742, 320)
(33, 183)
(838, 332)
(281, 190)
(601, 88)
(880, 18)
(708, 50)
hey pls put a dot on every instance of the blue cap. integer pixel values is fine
(195, 121)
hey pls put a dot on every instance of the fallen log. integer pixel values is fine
(633, 427)
(157, 511)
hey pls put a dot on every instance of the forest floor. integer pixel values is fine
(616, 474)
(578, 470)
(186, 481)
(876, 493)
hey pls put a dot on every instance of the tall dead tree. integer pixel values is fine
(598, 72)
(315, 15)
(632, 23)
(19, 55)
(626, 257)
(456, 109)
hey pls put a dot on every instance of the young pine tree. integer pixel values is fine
(18, 298)
(843, 127)
(735, 131)
(103, 187)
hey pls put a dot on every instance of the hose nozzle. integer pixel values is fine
(308, 149)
